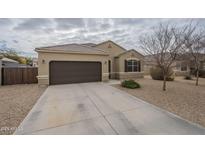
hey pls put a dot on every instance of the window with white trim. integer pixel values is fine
(132, 66)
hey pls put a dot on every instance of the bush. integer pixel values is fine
(157, 74)
(130, 84)
(188, 77)
(202, 73)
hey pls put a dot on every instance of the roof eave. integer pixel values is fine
(128, 52)
(69, 52)
(112, 42)
(136, 52)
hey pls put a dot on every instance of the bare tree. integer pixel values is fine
(164, 44)
(195, 47)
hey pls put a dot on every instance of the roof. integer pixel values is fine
(111, 42)
(72, 48)
(128, 52)
(86, 48)
(89, 44)
(9, 60)
(189, 56)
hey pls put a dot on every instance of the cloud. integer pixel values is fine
(35, 24)
(15, 41)
(26, 34)
(68, 23)
(4, 46)
(5, 22)
(98, 25)
(128, 21)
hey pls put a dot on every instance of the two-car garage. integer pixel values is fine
(65, 72)
(71, 63)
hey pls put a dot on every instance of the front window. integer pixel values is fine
(183, 66)
(133, 66)
(178, 66)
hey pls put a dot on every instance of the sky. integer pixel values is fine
(25, 34)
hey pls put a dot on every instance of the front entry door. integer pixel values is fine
(109, 68)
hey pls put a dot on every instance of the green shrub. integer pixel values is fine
(157, 74)
(188, 77)
(130, 84)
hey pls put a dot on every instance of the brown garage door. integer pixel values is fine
(64, 72)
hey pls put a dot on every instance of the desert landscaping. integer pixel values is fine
(164, 66)
(182, 97)
(16, 101)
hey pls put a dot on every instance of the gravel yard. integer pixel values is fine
(182, 97)
(15, 103)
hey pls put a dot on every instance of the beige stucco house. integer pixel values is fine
(181, 66)
(75, 63)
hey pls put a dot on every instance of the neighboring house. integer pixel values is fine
(185, 63)
(35, 62)
(181, 66)
(6, 62)
(75, 63)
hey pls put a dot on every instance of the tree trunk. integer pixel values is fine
(197, 77)
(164, 83)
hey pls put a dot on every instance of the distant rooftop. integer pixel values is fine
(8, 60)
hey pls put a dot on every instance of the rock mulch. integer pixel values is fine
(15, 103)
(182, 97)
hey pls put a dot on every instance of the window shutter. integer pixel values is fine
(139, 66)
(125, 65)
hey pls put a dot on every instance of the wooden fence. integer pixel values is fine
(18, 75)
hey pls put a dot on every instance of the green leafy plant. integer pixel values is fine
(130, 84)
(157, 74)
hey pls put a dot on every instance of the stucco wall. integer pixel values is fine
(113, 50)
(43, 67)
(180, 73)
(129, 75)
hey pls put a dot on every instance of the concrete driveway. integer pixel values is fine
(98, 108)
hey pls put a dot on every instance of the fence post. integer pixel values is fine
(0, 72)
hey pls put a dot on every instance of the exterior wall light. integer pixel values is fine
(43, 61)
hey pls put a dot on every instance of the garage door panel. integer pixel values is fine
(63, 72)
